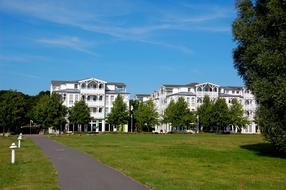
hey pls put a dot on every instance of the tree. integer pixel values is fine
(178, 114)
(79, 114)
(12, 111)
(119, 113)
(49, 111)
(220, 117)
(236, 114)
(260, 58)
(205, 114)
(133, 107)
(146, 115)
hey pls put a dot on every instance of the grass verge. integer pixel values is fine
(32, 169)
(183, 161)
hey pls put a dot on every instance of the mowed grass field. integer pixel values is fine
(184, 161)
(32, 170)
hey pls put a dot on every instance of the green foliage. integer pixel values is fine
(260, 58)
(12, 111)
(49, 111)
(79, 113)
(146, 115)
(119, 113)
(236, 114)
(205, 113)
(178, 114)
(220, 115)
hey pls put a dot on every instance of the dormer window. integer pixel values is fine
(75, 86)
(100, 86)
(83, 85)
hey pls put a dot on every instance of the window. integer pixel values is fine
(215, 89)
(83, 85)
(233, 92)
(100, 86)
(100, 98)
(100, 110)
(94, 98)
(75, 86)
(94, 110)
(199, 89)
(106, 110)
(199, 100)
(70, 98)
(76, 97)
(64, 97)
(237, 92)
(88, 98)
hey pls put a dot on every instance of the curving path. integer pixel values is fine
(79, 171)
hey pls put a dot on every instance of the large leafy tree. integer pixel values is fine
(205, 114)
(12, 111)
(146, 115)
(79, 113)
(220, 115)
(49, 111)
(260, 58)
(178, 114)
(119, 113)
(236, 114)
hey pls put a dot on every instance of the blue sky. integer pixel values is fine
(141, 43)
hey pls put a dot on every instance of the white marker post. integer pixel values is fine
(19, 141)
(13, 152)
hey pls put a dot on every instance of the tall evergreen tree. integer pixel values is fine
(146, 115)
(119, 113)
(260, 58)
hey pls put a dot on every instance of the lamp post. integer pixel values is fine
(13, 154)
(31, 121)
(19, 141)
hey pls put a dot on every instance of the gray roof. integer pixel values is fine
(142, 95)
(232, 87)
(180, 85)
(230, 95)
(115, 92)
(59, 82)
(68, 91)
(182, 94)
(116, 83)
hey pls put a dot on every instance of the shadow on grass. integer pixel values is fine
(264, 149)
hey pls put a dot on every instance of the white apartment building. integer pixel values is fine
(193, 93)
(99, 95)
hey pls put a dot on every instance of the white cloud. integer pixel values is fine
(71, 42)
(109, 18)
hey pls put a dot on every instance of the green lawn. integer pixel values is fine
(183, 161)
(32, 169)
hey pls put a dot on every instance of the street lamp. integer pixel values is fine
(31, 121)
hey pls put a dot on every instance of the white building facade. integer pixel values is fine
(194, 93)
(99, 95)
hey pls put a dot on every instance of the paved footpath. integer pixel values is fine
(79, 171)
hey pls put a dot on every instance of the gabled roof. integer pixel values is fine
(205, 83)
(92, 79)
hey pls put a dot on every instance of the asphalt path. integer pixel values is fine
(79, 171)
